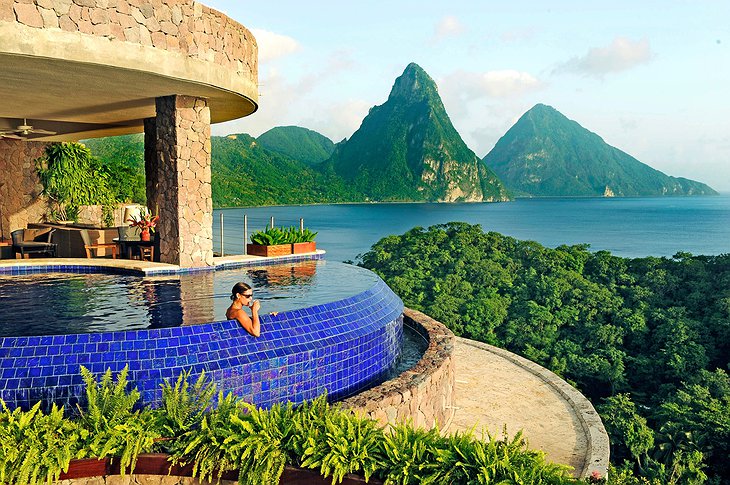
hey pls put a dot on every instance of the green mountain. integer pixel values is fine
(124, 157)
(407, 149)
(298, 143)
(242, 171)
(547, 154)
(245, 173)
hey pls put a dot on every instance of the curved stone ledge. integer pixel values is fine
(422, 394)
(97, 66)
(597, 450)
(183, 26)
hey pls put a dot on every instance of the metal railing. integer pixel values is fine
(231, 234)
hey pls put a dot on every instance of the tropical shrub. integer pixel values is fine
(272, 236)
(72, 177)
(235, 435)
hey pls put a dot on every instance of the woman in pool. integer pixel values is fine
(242, 296)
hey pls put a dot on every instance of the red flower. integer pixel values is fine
(145, 220)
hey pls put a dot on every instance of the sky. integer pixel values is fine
(651, 77)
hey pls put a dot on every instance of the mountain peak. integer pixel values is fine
(547, 154)
(414, 84)
(407, 149)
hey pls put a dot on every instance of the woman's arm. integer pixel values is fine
(255, 324)
(252, 326)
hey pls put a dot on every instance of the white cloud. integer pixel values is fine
(492, 84)
(304, 101)
(340, 120)
(622, 54)
(448, 26)
(273, 46)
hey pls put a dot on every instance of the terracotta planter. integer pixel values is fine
(158, 464)
(144, 235)
(305, 247)
(268, 251)
(88, 467)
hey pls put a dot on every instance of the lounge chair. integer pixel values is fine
(41, 245)
(93, 248)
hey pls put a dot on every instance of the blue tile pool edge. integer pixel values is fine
(22, 269)
(341, 347)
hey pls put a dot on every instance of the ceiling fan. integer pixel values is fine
(24, 130)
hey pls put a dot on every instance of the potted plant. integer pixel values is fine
(303, 241)
(280, 242)
(145, 221)
(272, 241)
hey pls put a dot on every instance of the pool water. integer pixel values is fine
(413, 347)
(62, 303)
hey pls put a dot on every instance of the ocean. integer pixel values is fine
(630, 227)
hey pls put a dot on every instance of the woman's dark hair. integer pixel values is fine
(239, 287)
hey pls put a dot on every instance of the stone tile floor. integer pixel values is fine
(492, 392)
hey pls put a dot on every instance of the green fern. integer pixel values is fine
(337, 442)
(410, 455)
(113, 428)
(183, 405)
(34, 447)
(206, 447)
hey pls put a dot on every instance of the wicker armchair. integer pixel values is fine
(26, 248)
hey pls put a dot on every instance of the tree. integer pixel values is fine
(628, 430)
(72, 177)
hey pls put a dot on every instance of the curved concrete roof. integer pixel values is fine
(96, 70)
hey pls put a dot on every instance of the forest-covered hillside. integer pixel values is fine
(298, 143)
(646, 339)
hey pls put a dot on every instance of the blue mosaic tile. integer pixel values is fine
(341, 347)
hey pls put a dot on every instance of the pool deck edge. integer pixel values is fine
(143, 268)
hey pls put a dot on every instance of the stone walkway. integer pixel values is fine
(492, 392)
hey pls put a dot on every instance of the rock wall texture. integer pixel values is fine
(183, 197)
(19, 187)
(183, 26)
(422, 394)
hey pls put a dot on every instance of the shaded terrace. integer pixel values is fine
(86, 69)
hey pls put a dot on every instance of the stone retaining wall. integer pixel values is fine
(183, 26)
(20, 187)
(422, 394)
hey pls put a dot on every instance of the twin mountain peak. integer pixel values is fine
(407, 149)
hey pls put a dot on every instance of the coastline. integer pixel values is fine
(515, 198)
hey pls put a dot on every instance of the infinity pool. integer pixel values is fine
(63, 303)
(339, 330)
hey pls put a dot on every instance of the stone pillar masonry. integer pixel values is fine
(19, 185)
(184, 199)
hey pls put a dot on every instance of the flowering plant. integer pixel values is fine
(145, 220)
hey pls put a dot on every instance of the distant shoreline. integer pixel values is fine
(555, 197)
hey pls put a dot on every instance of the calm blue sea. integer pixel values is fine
(629, 227)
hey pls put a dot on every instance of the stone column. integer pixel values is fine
(20, 201)
(183, 193)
